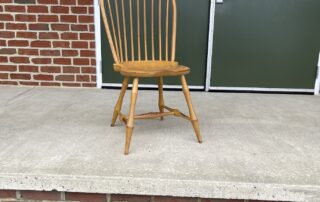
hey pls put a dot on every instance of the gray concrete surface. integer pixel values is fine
(255, 146)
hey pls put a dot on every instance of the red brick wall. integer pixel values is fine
(24, 196)
(47, 43)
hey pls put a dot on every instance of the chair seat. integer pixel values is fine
(151, 69)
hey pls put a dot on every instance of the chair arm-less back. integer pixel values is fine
(127, 37)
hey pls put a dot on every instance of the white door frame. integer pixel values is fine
(97, 33)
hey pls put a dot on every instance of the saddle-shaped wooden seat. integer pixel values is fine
(151, 69)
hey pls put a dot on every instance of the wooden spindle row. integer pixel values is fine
(117, 32)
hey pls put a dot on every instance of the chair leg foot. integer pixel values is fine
(129, 131)
(196, 128)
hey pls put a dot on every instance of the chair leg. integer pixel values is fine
(193, 116)
(130, 122)
(118, 106)
(161, 100)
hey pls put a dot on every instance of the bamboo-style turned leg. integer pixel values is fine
(161, 100)
(118, 106)
(130, 121)
(193, 116)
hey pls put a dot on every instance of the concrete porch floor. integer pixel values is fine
(256, 146)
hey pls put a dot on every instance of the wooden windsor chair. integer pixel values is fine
(131, 42)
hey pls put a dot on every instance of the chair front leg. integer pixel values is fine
(161, 100)
(130, 122)
(193, 116)
(118, 106)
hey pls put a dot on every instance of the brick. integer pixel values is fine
(6, 34)
(25, 1)
(71, 69)
(20, 43)
(68, 18)
(38, 26)
(44, 77)
(65, 78)
(90, 85)
(68, 2)
(48, 35)
(28, 83)
(85, 2)
(20, 76)
(5, 1)
(60, 27)
(48, 18)
(3, 42)
(48, 1)
(41, 44)
(25, 18)
(82, 78)
(130, 198)
(91, 10)
(28, 68)
(27, 35)
(8, 68)
(9, 83)
(37, 9)
(73, 85)
(50, 52)
(7, 51)
(81, 61)
(1, 24)
(79, 44)
(87, 53)
(19, 59)
(87, 36)
(86, 19)
(84, 197)
(61, 44)
(7, 193)
(79, 27)
(3, 76)
(91, 28)
(69, 53)
(69, 36)
(3, 59)
(6, 17)
(93, 62)
(50, 84)
(62, 61)
(15, 8)
(59, 9)
(50, 69)
(28, 51)
(174, 199)
(41, 60)
(40, 195)
(93, 78)
(92, 45)
(88, 70)
(16, 26)
(79, 10)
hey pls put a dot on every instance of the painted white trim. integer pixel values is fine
(97, 33)
(153, 86)
(298, 90)
(210, 44)
(317, 82)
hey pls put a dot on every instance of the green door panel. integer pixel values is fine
(191, 50)
(266, 43)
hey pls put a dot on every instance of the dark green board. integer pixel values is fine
(192, 35)
(266, 43)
